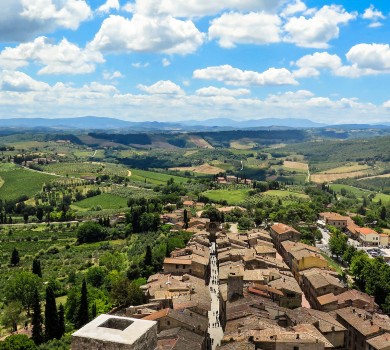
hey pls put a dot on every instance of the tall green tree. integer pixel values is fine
(36, 267)
(185, 219)
(51, 315)
(21, 287)
(15, 259)
(61, 321)
(91, 232)
(37, 320)
(82, 317)
(338, 243)
(12, 315)
(383, 213)
(148, 256)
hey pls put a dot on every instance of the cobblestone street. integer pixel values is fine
(215, 329)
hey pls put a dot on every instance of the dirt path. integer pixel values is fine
(42, 172)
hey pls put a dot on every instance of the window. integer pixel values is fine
(296, 348)
(168, 323)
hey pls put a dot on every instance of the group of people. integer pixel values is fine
(214, 285)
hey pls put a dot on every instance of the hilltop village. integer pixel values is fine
(232, 289)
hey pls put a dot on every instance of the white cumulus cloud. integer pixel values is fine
(20, 82)
(294, 7)
(63, 58)
(320, 60)
(214, 91)
(112, 75)
(370, 56)
(21, 20)
(147, 34)
(319, 28)
(108, 6)
(199, 8)
(373, 15)
(235, 76)
(162, 87)
(252, 28)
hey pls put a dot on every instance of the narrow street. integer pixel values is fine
(215, 329)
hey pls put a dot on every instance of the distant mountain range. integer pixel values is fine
(216, 124)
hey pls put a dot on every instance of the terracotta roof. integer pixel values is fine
(327, 299)
(177, 261)
(326, 323)
(364, 322)
(261, 287)
(352, 295)
(200, 259)
(286, 283)
(380, 342)
(321, 279)
(304, 253)
(262, 249)
(366, 231)
(157, 315)
(282, 228)
(334, 216)
(253, 275)
(351, 227)
(295, 246)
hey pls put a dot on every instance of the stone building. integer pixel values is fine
(335, 219)
(316, 282)
(362, 326)
(281, 232)
(107, 332)
(332, 330)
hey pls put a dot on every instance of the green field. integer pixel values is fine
(284, 194)
(19, 181)
(153, 177)
(104, 200)
(361, 192)
(356, 191)
(381, 196)
(231, 196)
(86, 169)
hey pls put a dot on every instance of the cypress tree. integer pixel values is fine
(51, 316)
(148, 256)
(36, 267)
(82, 313)
(36, 320)
(15, 257)
(61, 321)
(185, 219)
(383, 213)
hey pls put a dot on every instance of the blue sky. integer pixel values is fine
(168, 60)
